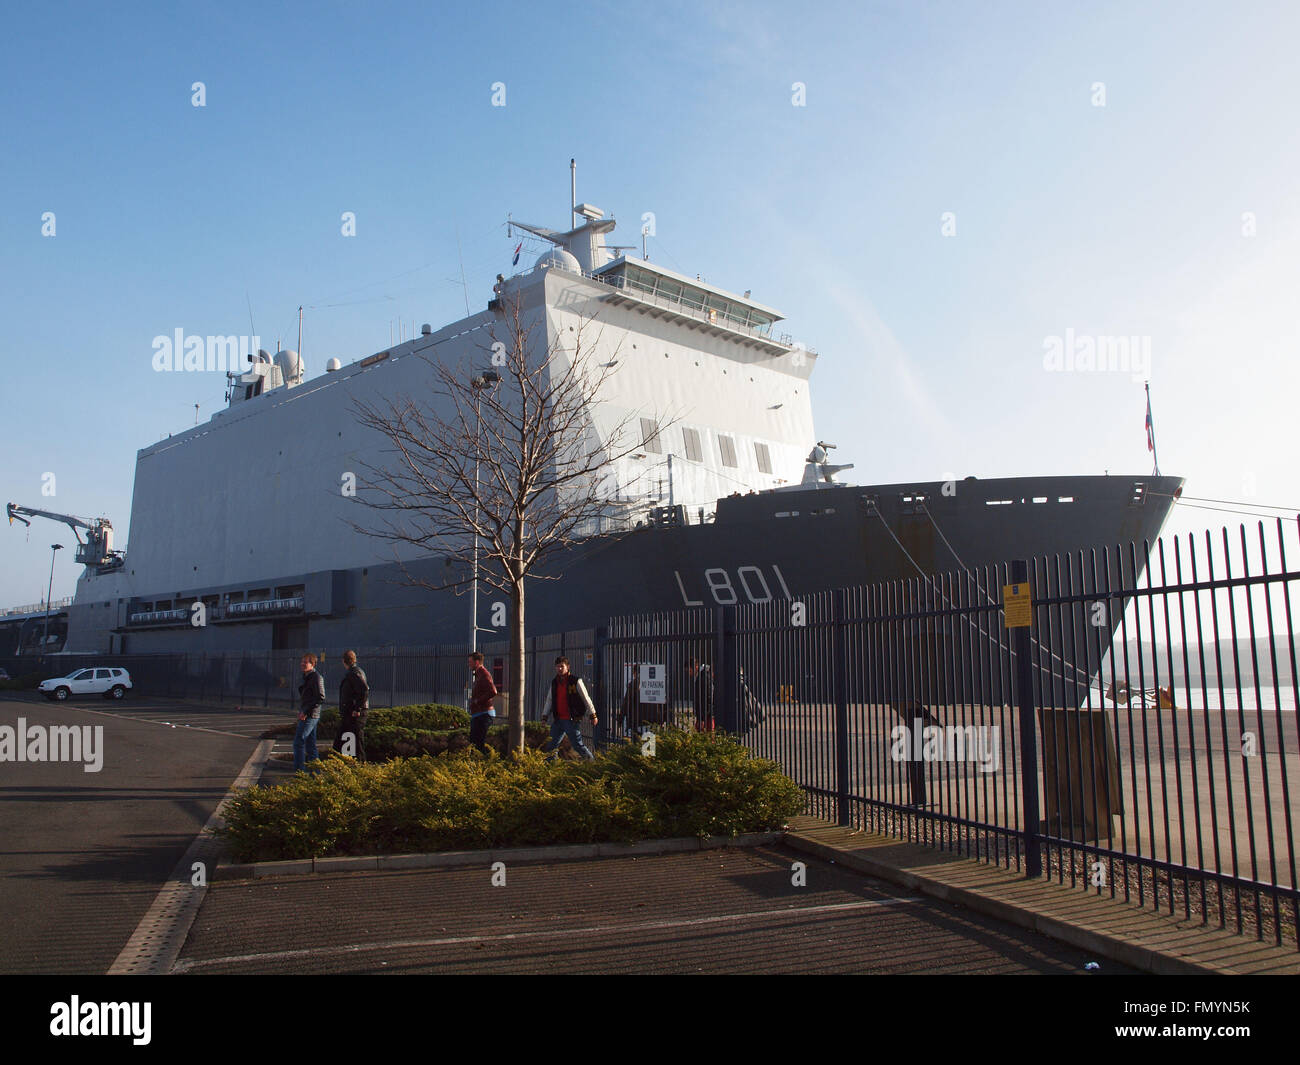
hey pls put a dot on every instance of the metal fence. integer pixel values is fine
(397, 676)
(1137, 739)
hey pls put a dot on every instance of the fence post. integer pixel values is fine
(1028, 734)
(840, 675)
(604, 707)
(392, 682)
(724, 670)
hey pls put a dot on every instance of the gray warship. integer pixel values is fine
(736, 502)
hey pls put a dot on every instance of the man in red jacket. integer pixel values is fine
(480, 702)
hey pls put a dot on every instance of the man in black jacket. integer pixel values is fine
(701, 694)
(354, 703)
(312, 693)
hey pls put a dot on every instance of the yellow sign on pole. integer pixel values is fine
(1017, 606)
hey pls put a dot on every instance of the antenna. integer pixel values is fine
(463, 285)
(573, 193)
(300, 331)
(196, 414)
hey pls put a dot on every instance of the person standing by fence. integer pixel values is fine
(311, 693)
(354, 703)
(701, 694)
(569, 702)
(480, 702)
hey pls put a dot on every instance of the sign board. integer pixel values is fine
(654, 683)
(1017, 606)
(586, 663)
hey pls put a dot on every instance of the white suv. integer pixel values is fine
(110, 683)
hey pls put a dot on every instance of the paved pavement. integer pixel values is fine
(730, 910)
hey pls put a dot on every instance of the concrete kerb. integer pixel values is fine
(461, 859)
(1110, 930)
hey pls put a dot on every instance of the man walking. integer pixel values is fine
(312, 697)
(701, 694)
(480, 702)
(569, 702)
(354, 704)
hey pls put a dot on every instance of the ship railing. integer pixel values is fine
(37, 608)
(708, 315)
(264, 606)
(230, 612)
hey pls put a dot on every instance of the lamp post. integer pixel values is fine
(45, 640)
(486, 379)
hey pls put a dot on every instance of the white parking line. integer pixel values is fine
(167, 723)
(184, 966)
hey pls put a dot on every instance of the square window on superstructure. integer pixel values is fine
(728, 448)
(764, 458)
(650, 436)
(693, 450)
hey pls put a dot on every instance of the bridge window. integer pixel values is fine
(728, 448)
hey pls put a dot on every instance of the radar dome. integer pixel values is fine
(558, 257)
(290, 364)
(333, 364)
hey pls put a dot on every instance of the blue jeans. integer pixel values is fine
(567, 728)
(304, 736)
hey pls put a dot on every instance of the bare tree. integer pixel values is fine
(503, 468)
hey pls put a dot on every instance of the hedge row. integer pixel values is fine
(428, 717)
(696, 784)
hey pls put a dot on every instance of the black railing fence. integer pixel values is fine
(1137, 738)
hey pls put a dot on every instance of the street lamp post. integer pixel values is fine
(45, 640)
(486, 379)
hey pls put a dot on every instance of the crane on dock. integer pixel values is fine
(97, 547)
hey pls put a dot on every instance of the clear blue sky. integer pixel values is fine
(1125, 219)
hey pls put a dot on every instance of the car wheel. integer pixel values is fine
(118, 692)
(61, 694)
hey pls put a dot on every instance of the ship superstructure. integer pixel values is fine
(242, 519)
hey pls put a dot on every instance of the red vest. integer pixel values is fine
(576, 706)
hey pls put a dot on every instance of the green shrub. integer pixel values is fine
(388, 741)
(433, 717)
(695, 784)
(706, 784)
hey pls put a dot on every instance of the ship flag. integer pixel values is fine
(518, 248)
(1151, 434)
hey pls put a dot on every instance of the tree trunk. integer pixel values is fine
(517, 667)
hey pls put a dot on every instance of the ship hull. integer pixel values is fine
(760, 548)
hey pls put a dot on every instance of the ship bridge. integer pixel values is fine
(654, 289)
(663, 293)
